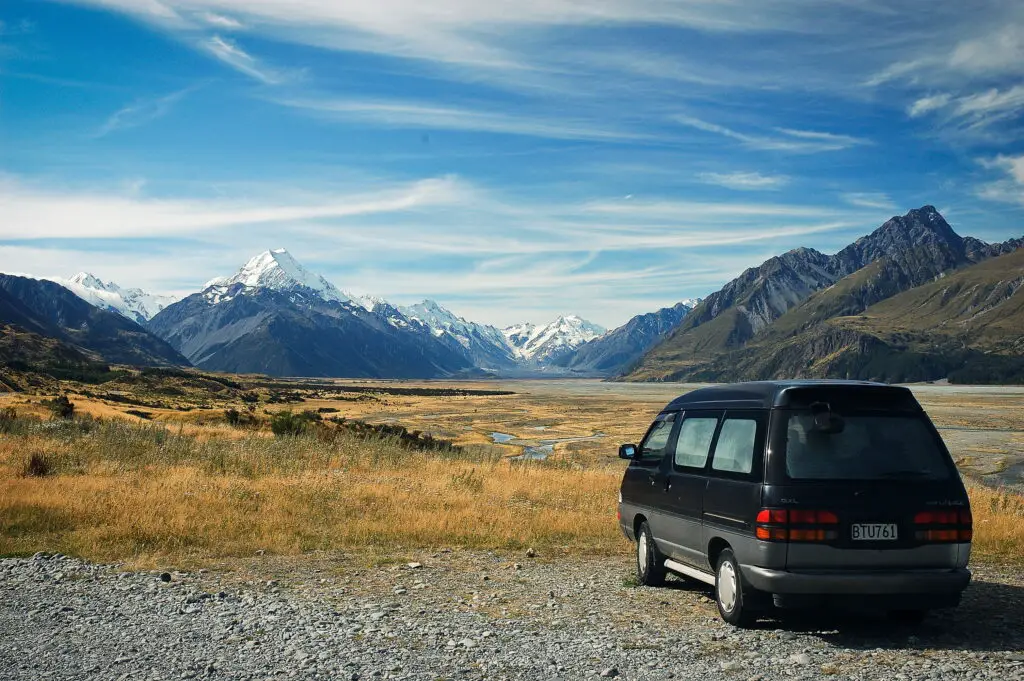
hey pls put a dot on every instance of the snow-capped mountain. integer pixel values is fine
(551, 342)
(133, 303)
(275, 317)
(275, 270)
(485, 344)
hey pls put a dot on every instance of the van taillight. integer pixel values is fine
(775, 524)
(944, 526)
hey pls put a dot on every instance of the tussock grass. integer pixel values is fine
(998, 524)
(116, 490)
(143, 492)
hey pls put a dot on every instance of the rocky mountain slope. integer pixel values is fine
(618, 349)
(133, 303)
(485, 345)
(48, 310)
(967, 326)
(802, 288)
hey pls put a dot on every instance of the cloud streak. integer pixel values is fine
(746, 181)
(789, 140)
(141, 112)
(417, 115)
(240, 60)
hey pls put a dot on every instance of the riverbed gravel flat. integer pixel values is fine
(461, 615)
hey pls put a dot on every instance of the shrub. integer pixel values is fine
(37, 466)
(61, 407)
(8, 418)
(233, 416)
(285, 423)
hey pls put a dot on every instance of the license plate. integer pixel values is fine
(873, 531)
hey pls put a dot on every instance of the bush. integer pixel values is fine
(8, 418)
(37, 466)
(285, 423)
(61, 407)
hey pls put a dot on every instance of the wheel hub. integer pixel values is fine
(727, 586)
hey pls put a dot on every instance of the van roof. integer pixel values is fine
(796, 393)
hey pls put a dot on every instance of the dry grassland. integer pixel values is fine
(187, 487)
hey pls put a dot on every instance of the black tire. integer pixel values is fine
(650, 564)
(911, 618)
(729, 592)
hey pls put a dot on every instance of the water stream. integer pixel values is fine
(541, 450)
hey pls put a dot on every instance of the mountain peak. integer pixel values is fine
(91, 281)
(277, 270)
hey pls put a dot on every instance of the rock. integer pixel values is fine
(467, 643)
(609, 673)
(414, 566)
(398, 591)
(530, 553)
(165, 577)
(800, 658)
(517, 566)
(261, 552)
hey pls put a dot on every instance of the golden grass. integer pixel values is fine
(162, 497)
(147, 493)
(998, 524)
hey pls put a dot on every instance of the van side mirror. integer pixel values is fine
(627, 451)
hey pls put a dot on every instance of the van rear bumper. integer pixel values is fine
(880, 583)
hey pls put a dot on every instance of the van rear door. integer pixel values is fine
(866, 489)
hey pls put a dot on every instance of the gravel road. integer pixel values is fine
(460, 615)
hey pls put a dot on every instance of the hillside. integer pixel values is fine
(801, 289)
(967, 326)
(48, 310)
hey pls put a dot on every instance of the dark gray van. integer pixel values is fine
(799, 494)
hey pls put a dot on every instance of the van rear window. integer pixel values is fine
(862, 447)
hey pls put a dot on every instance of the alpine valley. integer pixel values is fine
(912, 301)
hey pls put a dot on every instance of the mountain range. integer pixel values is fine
(912, 300)
(77, 331)
(782, 319)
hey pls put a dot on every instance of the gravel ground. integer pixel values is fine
(461, 615)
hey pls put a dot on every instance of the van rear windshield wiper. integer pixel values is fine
(907, 474)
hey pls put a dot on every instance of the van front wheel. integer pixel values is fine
(650, 564)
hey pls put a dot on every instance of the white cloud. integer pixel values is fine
(928, 104)
(422, 115)
(140, 113)
(1010, 187)
(793, 141)
(221, 21)
(746, 181)
(47, 213)
(869, 200)
(240, 60)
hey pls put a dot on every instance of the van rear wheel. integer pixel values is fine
(729, 592)
(650, 564)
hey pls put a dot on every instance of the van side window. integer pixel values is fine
(734, 452)
(694, 441)
(653, 447)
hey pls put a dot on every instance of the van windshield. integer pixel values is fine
(862, 447)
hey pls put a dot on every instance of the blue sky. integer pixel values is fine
(512, 160)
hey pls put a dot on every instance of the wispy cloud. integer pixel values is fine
(240, 60)
(418, 115)
(1009, 188)
(869, 200)
(746, 181)
(141, 112)
(789, 140)
(975, 110)
(220, 21)
(32, 213)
